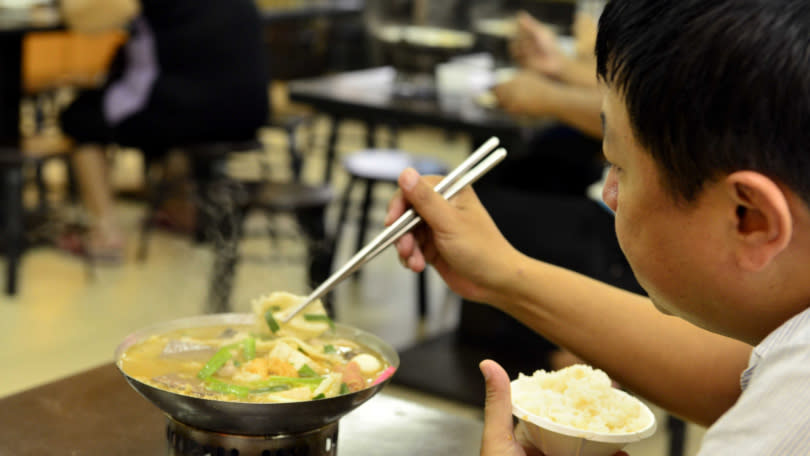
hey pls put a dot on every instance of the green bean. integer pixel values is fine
(219, 386)
(222, 356)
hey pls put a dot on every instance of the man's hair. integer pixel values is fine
(713, 86)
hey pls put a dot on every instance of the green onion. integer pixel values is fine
(219, 386)
(271, 322)
(328, 348)
(344, 389)
(249, 348)
(312, 382)
(319, 317)
(320, 396)
(307, 371)
(216, 362)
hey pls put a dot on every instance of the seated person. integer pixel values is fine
(559, 164)
(192, 71)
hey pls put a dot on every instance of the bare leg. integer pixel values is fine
(90, 167)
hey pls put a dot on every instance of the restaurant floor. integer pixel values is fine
(68, 317)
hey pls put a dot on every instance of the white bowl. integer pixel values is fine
(560, 440)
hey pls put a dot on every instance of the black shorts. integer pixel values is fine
(154, 129)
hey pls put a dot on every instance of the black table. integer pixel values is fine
(370, 95)
(314, 10)
(14, 25)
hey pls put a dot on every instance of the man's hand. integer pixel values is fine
(528, 94)
(535, 47)
(500, 437)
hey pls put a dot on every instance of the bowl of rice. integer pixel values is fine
(576, 412)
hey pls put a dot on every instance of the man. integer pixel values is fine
(707, 127)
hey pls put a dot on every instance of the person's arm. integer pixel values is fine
(688, 371)
(691, 372)
(95, 16)
(535, 95)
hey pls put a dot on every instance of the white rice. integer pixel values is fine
(581, 397)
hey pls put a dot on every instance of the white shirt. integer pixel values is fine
(772, 416)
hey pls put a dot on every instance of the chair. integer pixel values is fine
(381, 166)
(224, 201)
(11, 163)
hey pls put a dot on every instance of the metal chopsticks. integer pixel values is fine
(470, 170)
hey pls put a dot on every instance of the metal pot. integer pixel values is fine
(253, 418)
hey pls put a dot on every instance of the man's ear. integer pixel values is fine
(764, 223)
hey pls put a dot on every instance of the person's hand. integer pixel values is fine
(535, 47)
(458, 238)
(527, 94)
(500, 437)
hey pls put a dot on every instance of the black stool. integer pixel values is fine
(370, 167)
(224, 201)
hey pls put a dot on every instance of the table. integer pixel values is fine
(314, 10)
(369, 95)
(97, 412)
(14, 24)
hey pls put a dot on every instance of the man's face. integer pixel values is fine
(668, 245)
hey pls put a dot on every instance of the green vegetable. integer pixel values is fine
(320, 396)
(219, 386)
(271, 322)
(312, 382)
(328, 348)
(319, 317)
(216, 362)
(307, 371)
(249, 348)
(344, 389)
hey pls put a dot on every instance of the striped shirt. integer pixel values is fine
(772, 416)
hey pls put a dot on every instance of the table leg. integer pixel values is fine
(10, 88)
(12, 187)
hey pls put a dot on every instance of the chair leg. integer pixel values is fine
(365, 208)
(422, 291)
(677, 435)
(344, 209)
(14, 225)
(320, 249)
(331, 149)
(362, 226)
(227, 223)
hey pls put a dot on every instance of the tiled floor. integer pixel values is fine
(65, 320)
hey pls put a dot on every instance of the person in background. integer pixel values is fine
(192, 71)
(706, 121)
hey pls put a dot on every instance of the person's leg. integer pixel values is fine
(105, 238)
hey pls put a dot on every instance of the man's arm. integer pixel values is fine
(691, 372)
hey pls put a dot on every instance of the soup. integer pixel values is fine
(301, 360)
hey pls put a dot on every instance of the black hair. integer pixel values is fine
(713, 86)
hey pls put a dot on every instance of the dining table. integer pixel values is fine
(375, 97)
(312, 9)
(95, 412)
(15, 24)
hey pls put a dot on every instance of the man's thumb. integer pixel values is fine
(430, 205)
(498, 408)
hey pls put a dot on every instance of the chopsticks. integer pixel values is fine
(469, 171)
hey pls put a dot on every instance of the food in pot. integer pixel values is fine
(581, 397)
(300, 360)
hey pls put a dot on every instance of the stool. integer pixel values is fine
(225, 201)
(370, 167)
